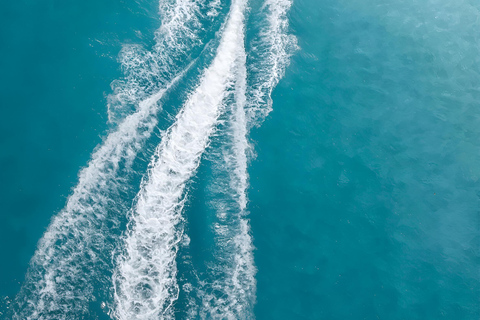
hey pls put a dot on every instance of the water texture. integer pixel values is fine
(242, 159)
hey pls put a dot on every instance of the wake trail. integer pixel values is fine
(272, 49)
(240, 283)
(57, 281)
(148, 70)
(145, 278)
(232, 293)
(73, 252)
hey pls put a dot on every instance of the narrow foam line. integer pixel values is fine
(85, 207)
(148, 70)
(76, 248)
(242, 288)
(234, 286)
(232, 295)
(145, 279)
(276, 46)
(57, 280)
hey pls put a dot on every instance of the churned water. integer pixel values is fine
(262, 159)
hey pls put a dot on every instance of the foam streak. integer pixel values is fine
(145, 279)
(56, 281)
(275, 46)
(78, 242)
(234, 289)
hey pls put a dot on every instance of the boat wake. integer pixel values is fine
(73, 265)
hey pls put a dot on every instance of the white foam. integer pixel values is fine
(240, 284)
(147, 70)
(75, 232)
(232, 294)
(233, 291)
(275, 47)
(59, 282)
(145, 279)
(214, 6)
(78, 240)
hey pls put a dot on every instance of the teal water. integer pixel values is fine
(57, 61)
(363, 182)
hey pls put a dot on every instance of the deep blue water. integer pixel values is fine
(363, 184)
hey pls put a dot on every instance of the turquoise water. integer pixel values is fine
(356, 197)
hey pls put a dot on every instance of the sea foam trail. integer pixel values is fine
(232, 293)
(273, 49)
(240, 283)
(148, 70)
(79, 240)
(145, 279)
(57, 284)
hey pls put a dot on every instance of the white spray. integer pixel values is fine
(145, 279)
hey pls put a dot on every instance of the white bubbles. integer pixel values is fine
(232, 293)
(75, 254)
(148, 70)
(57, 280)
(75, 250)
(274, 47)
(145, 279)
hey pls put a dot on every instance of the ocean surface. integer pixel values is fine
(240, 159)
